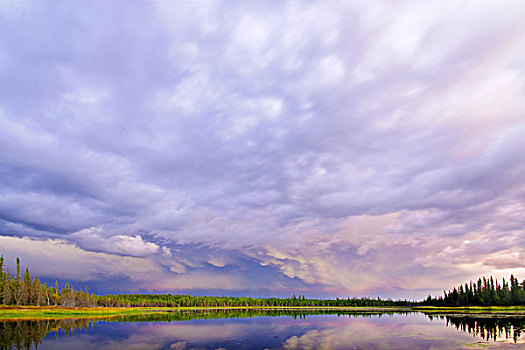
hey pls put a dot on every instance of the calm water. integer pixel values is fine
(268, 330)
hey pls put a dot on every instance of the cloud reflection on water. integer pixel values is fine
(414, 331)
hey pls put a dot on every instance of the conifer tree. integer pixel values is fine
(2, 279)
(8, 294)
(56, 294)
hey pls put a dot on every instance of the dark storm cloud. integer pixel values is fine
(285, 140)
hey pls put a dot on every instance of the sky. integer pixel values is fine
(329, 148)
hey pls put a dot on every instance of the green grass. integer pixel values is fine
(35, 312)
(45, 312)
(500, 310)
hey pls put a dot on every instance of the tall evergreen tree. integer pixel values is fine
(8, 294)
(2, 278)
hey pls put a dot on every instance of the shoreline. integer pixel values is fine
(14, 313)
(60, 312)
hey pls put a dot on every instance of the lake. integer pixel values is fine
(241, 329)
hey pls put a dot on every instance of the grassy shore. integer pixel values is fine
(45, 312)
(496, 310)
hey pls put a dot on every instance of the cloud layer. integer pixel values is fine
(329, 147)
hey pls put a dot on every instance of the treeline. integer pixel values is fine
(26, 289)
(169, 300)
(484, 292)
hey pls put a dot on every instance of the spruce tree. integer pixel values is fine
(8, 293)
(18, 284)
(56, 294)
(2, 279)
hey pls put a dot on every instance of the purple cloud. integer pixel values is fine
(329, 147)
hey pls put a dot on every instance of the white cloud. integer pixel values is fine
(252, 33)
(94, 238)
(241, 129)
(62, 260)
(331, 70)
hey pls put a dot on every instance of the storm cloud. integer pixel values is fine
(331, 148)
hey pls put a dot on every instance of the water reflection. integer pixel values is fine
(266, 329)
(489, 328)
(29, 334)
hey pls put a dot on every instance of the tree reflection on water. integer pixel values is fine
(24, 334)
(488, 327)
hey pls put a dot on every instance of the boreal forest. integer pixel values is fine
(24, 288)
